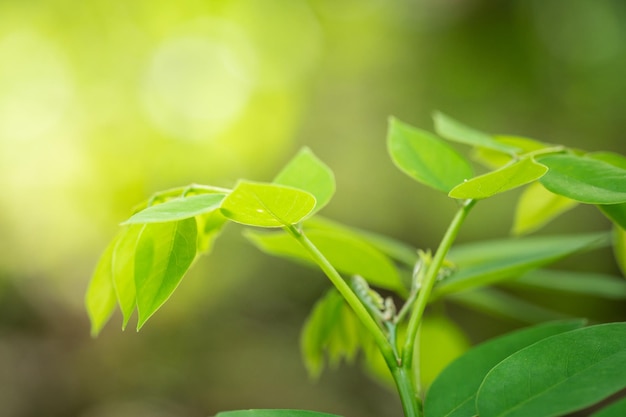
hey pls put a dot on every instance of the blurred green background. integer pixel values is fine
(103, 103)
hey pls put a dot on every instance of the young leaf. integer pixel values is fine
(307, 172)
(100, 297)
(453, 393)
(583, 283)
(274, 413)
(495, 159)
(267, 205)
(569, 371)
(506, 178)
(178, 209)
(484, 263)
(345, 252)
(619, 247)
(426, 158)
(124, 270)
(538, 206)
(453, 130)
(584, 179)
(164, 253)
(615, 212)
(209, 227)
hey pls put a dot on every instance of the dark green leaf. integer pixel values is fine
(178, 209)
(100, 298)
(453, 393)
(484, 263)
(164, 253)
(584, 179)
(615, 212)
(267, 205)
(619, 247)
(124, 270)
(307, 172)
(538, 206)
(454, 130)
(273, 413)
(426, 158)
(612, 158)
(510, 176)
(557, 375)
(583, 283)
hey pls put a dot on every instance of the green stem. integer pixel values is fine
(411, 404)
(427, 285)
(351, 298)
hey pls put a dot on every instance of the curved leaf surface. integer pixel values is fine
(178, 209)
(616, 409)
(453, 392)
(426, 158)
(100, 298)
(124, 270)
(619, 248)
(557, 375)
(538, 206)
(267, 205)
(274, 413)
(615, 212)
(307, 172)
(584, 179)
(496, 159)
(510, 176)
(164, 253)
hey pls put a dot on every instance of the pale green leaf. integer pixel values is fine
(538, 206)
(584, 179)
(570, 371)
(494, 159)
(453, 130)
(307, 172)
(619, 247)
(273, 413)
(267, 205)
(124, 270)
(511, 176)
(345, 252)
(209, 227)
(453, 393)
(425, 157)
(178, 209)
(164, 253)
(484, 263)
(100, 298)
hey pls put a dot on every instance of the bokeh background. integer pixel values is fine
(104, 102)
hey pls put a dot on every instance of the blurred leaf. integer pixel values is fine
(124, 270)
(584, 179)
(267, 205)
(484, 263)
(619, 247)
(506, 178)
(331, 330)
(453, 393)
(178, 209)
(347, 253)
(164, 253)
(209, 227)
(538, 206)
(569, 371)
(451, 129)
(615, 212)
(500, 304)
(100, 298)
(307, 172)
(273, 413)
(612, 158)
(425, 157)
(584, 283)
(441, 341)
(616, 409)
(495, 159)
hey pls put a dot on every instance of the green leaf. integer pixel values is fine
(178, 209)
(307, 172)
(616, 409)
(569, 371)
(584, 179)
(573, 282)
(267, 205)
(511, 176)
(612, 158)
(274, 413)
(484, 263)
(538, 206)
(426, 158)
(331, 330)
(615, 212)
(453, 393)
(164, 253)
(619, 248)
(495, 159)
(451, 129)
(100, 298)
(209, 227)
(345, 252)
(124, 270)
